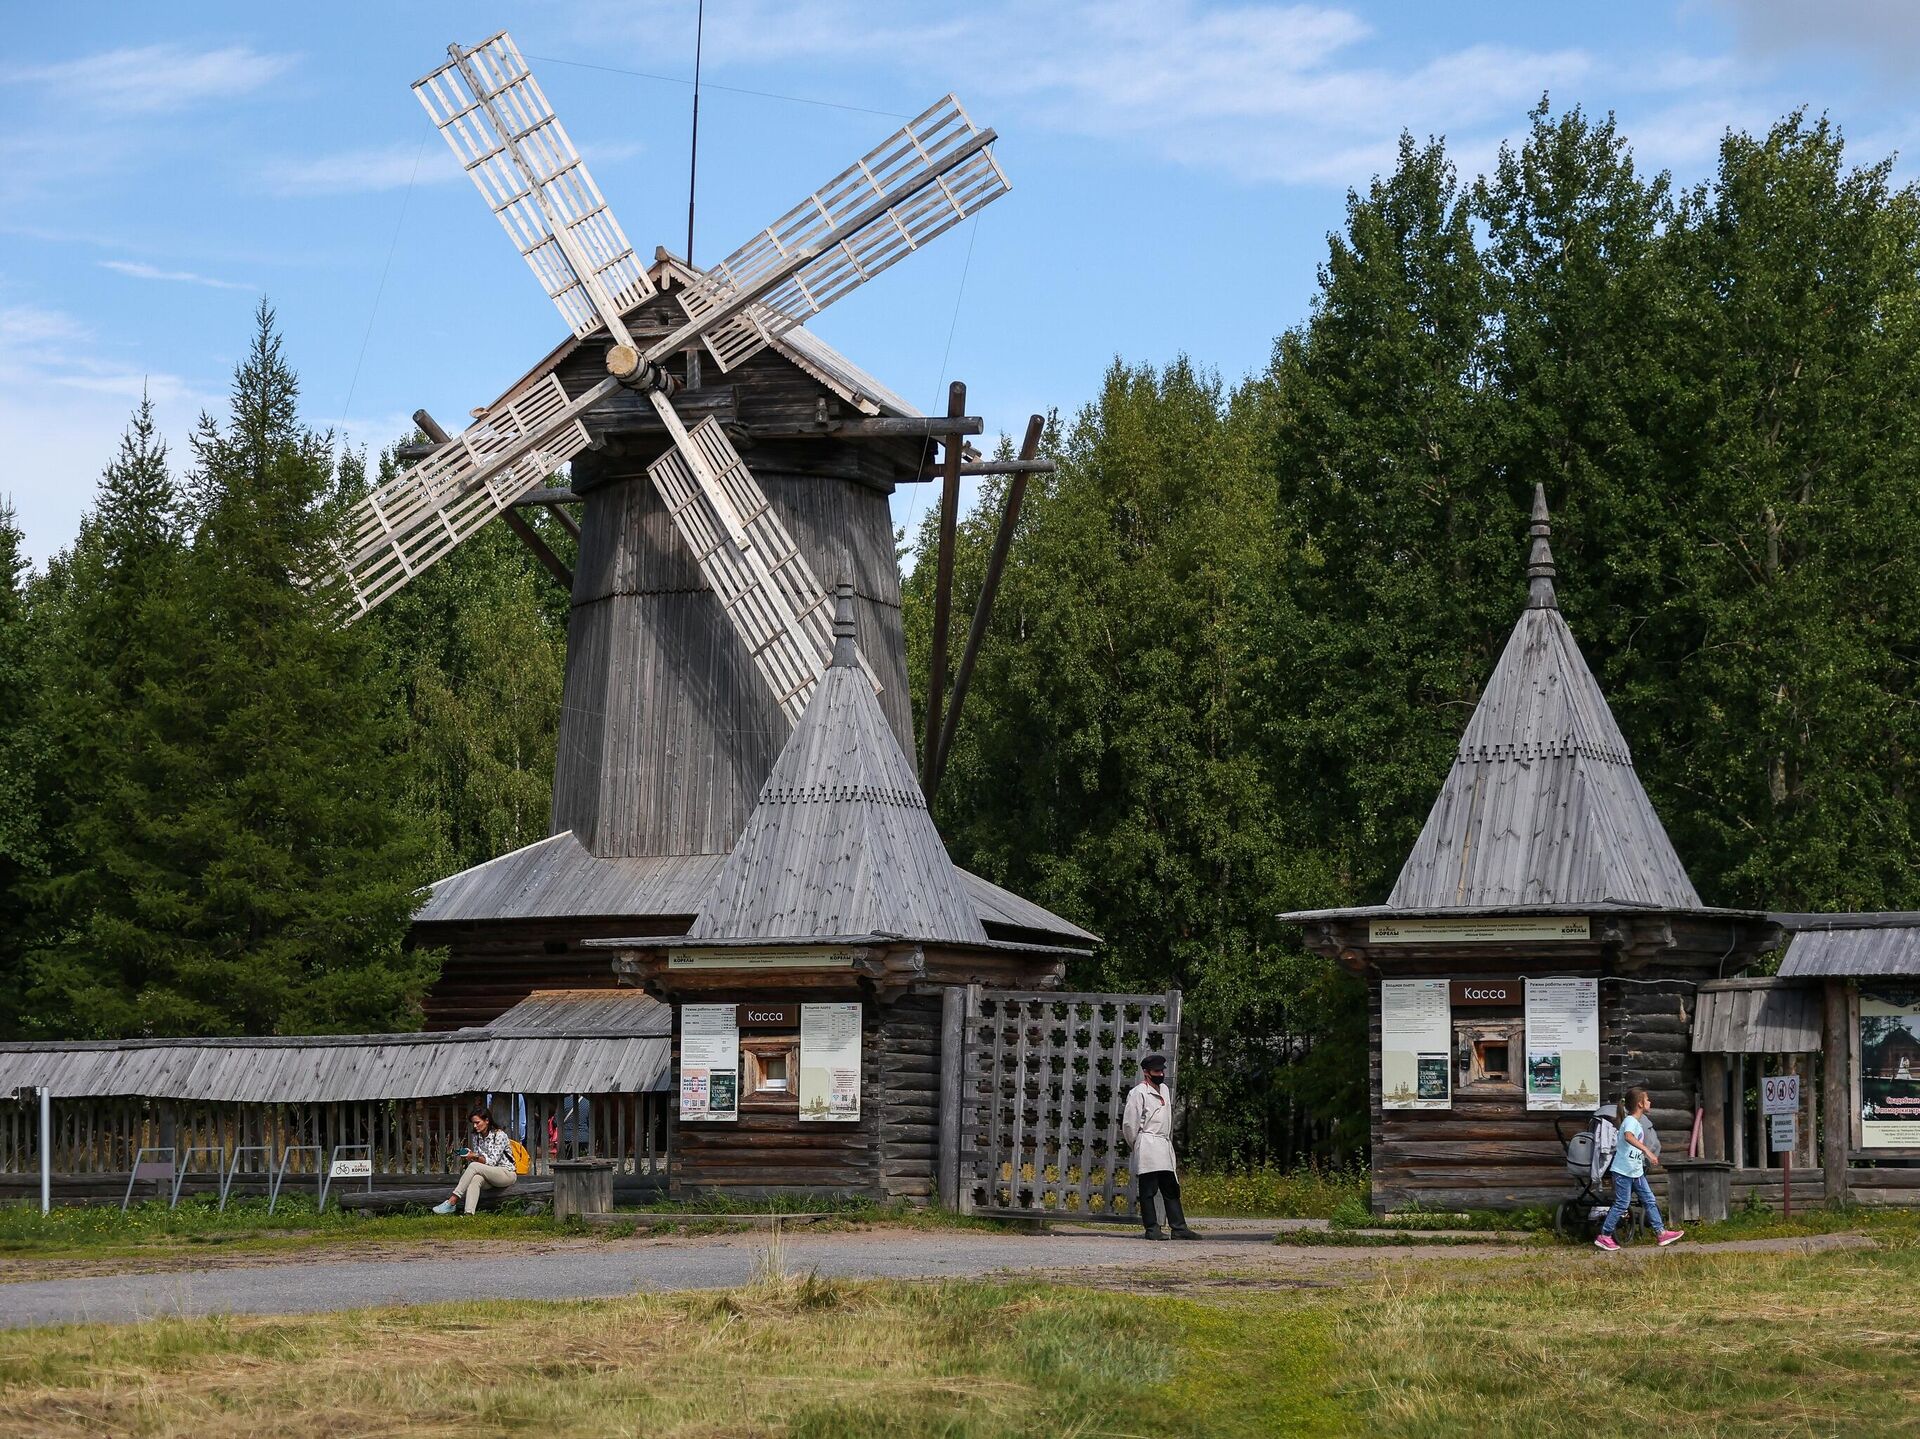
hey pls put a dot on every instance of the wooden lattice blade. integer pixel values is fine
(498, 122)
(769, 594)
(894, 167)
(409, 523)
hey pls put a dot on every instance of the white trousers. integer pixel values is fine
(483, 1176)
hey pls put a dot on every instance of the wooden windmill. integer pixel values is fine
(702, 616)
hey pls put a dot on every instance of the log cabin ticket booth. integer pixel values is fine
(808, 993)
(1541, 951)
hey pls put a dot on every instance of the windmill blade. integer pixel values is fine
(506, 136)
(409, 523)
(779, 609)
(922, 180)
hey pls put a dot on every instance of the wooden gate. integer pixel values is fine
(1032, 1088)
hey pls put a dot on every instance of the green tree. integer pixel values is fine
(22, 752)
(107, 632)
(249, 865)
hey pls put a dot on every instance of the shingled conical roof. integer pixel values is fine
(840, 844)
(1542, 805)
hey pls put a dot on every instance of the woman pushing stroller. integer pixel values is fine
(1629, 1173)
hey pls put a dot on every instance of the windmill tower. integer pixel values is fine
(701, 616)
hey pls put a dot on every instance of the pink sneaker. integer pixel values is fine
(1605, 1241)
(1671, 1236)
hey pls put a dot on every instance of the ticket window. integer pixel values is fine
(770, 1071)
(1490, 1056)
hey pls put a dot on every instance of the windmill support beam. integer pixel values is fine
(943, 592)
(990, 587)
(549, 561)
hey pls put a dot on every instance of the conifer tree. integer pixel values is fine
(22, 838)
(108, 635)
(301, 866)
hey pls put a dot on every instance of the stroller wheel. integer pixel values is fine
(1570, 1219)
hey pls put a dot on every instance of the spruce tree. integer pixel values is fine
(22, 750)
(301, 866)
(109, 637)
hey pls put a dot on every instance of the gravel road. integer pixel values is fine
(597, 1270)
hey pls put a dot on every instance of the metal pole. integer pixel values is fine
(46, 1149)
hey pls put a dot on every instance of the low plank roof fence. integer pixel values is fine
(1757, 1016)
(555, 1042)
(1852, 946)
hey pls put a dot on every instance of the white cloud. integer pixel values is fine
(141, 271)
(154, 78)
(389, 167)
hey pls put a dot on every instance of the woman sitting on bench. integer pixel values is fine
(489, 1165)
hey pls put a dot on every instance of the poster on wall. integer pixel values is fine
(709, 1062)
(830, 1061)
(1563, 1043)
(1890, 1067)
(1416, 1040)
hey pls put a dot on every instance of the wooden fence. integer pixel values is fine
(95, 1140)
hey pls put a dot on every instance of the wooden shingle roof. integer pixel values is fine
(840, 842)
(1542, 805)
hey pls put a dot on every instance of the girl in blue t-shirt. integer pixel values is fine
(1629, 1173)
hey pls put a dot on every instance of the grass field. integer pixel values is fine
(1554, 1343)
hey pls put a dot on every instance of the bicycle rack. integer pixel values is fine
(326, 1181)
(185, 1162)
(233, 1168)
(280, 1174)
(135, 1177)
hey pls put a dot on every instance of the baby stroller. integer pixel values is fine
(1589, 1160)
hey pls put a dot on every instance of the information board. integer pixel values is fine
(1889, 1067)
(709, 1062)
(1416, 1043)
(1784, 1131)
(1563, 1044)
(350, 1169)
(830, 1061)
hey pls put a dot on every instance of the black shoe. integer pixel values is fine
(1155, 1234)
(1185, 1233)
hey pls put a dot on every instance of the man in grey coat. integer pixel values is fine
(1147, 1126)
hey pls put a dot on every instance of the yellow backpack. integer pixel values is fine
(522, 1161)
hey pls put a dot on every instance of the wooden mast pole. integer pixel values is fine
(943, 590)
(990, 587)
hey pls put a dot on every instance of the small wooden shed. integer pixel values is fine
(1543, 948)
(809, 992)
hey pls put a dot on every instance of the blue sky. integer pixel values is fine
(1176, 166)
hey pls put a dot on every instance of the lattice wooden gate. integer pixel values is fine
(1032, 1090)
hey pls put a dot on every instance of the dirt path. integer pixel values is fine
(343, 1276)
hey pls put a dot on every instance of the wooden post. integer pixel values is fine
(1836, 1114)
(46, 1149)
(953, 1028)
(1713, 1084)
(942, 591)
(983, 610)
(1737, 1102)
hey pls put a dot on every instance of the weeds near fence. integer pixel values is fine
(1270, 1192)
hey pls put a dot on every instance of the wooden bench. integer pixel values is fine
(388, 1201)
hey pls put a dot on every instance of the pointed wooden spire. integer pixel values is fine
(1542, 805)
(840, 844)
(1540, 566)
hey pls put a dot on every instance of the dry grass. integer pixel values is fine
(1554, 1343)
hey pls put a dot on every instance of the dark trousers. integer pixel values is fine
(1166, 1184)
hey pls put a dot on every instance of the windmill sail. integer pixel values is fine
(920, 181)
(492, 112)
(406, 525)
(769, 595)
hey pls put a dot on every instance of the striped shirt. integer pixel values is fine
(492, 1146)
